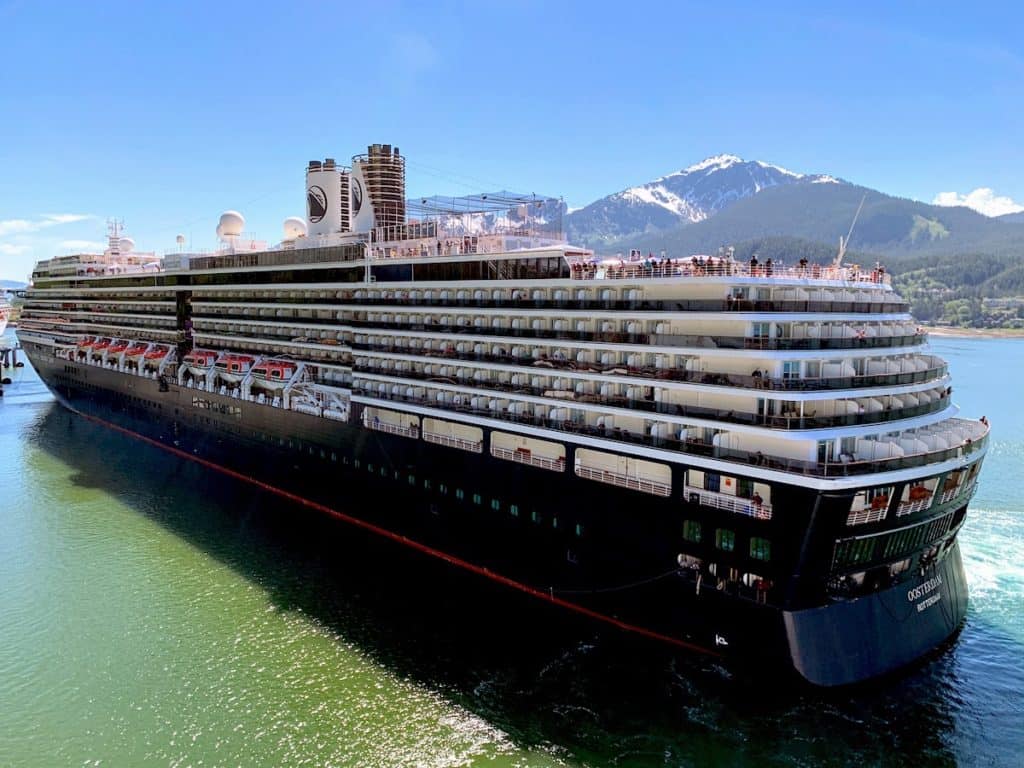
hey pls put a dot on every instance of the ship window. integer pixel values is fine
(725, 539)
(691, 531)
(760, 549)
(334, 456)
(356, 464)
(412, 479)
(477, 498)
(460, 494)
(443, 489)
(899, 567)
(554, 522)
(712, 481)
(426, 484)
(513, 509)
(495, 504)
(579, 529)
(369, 467)
(534, 515)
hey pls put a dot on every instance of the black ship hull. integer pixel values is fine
(607, 552)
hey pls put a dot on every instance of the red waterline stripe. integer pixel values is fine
(412, 544)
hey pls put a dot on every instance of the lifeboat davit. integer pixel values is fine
(234, 368)
(273, 374)
(198, 361)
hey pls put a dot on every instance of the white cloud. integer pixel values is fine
(80, 246)
(23, 226)
(8, 249)
(983, 200)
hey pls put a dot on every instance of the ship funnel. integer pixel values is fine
(378, 188)
(327, 198)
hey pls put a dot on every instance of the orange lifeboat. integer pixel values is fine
(135, 351)
(118, 347)
(233, 367)
(100, 346)
(274, 374)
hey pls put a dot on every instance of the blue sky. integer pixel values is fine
(167, 114)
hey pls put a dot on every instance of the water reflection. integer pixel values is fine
(549, 680)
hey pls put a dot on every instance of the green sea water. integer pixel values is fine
(153, 613)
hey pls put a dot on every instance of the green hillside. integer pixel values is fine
(954, 265)
(887, 226)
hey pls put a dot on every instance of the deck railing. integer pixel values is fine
(696, 266)
(703, 341)
(528, 457)
(671, 374)
(475, 446)
(729, 416)
(624, 481)
(391, 429)
(700, 448)
(741, 506)
(867, 515)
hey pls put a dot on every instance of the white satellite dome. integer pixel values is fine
(232, 223)
(294, 227)
(180, 239)
(126, 245)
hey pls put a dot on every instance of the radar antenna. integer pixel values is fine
(844, 244)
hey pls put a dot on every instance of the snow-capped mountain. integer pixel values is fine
(684, 197)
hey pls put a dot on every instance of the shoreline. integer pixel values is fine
(949, 331)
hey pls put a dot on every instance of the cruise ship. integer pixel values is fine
(762, 462)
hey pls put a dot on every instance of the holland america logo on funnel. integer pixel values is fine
(316, 199)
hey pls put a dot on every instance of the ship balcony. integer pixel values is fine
(473, 446)
(524, 456)
(762, 510)
(949, 439)
(89, 307)
(588, 268)
(298, 347)
(562, 390)
(622, 480)
(525, 300)
(392, 429)
(658, 367)
(698, 341)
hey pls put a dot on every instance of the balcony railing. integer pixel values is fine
(700, 448)
(673, 374)
(391, 429)
(649, 339)
(587, 269)
(731, 416)
(475, 446)
(624, 481)
(741, 506)
(522, 456)
(867, 515)
(573, 304)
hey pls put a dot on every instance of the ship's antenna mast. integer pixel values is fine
(843, 244)
(114, 230)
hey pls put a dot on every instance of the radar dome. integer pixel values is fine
(126, 245)
(180, 239)
(294, 227)
(231, 224)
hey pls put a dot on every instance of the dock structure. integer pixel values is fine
(9, 359)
